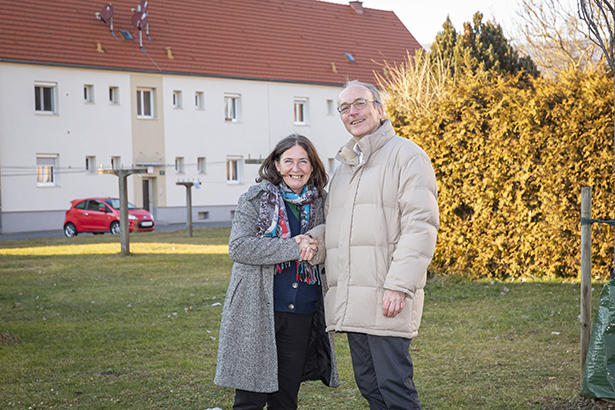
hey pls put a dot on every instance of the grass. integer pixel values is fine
(83, 327)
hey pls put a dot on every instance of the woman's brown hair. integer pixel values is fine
(269, 172)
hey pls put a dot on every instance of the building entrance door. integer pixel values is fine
(147, 185)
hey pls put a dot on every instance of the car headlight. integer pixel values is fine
(130, 216)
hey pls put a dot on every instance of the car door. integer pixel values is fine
(98, 216)
(79, 217)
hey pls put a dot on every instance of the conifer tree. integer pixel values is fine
(444, 45)
(480, 47)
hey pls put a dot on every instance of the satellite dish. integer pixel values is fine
(139, 19)
(107, 13)
(143, 5)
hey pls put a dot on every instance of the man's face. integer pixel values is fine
(366, 121)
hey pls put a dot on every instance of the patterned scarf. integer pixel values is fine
(273, 222)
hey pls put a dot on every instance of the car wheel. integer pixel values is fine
(70, 230)
(115, 228)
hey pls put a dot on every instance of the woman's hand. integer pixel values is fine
(308, 246)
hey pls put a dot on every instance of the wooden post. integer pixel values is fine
(124, 230)
(188, 186)
(586, 272)
(122, 175)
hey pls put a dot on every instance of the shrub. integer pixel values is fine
(511, 154)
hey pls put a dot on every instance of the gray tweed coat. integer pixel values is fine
(247, 357)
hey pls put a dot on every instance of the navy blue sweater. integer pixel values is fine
(289, 294)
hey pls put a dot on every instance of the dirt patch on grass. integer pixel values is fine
(7, 337)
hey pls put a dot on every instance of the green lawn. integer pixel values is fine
(83, 327)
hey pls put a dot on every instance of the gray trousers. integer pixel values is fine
(383, 371)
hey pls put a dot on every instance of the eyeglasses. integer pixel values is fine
(358, 104)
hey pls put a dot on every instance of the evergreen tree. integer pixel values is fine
(481, 47)
(444, 45)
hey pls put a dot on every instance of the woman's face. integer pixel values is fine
(295, 168)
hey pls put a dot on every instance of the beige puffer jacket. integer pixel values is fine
(381, 227)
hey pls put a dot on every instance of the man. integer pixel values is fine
(381, 226)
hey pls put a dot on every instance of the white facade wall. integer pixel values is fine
(266, 116)
(104, 130)
(77, 129)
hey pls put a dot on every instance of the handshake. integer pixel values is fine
(308, 246)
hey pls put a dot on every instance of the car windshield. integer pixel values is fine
(115, 203)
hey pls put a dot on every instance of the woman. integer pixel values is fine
(272, 334)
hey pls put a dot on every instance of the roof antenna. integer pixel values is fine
(106, 15)
(139, 19)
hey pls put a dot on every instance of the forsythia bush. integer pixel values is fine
(511, 155)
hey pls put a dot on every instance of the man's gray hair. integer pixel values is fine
(372, 88)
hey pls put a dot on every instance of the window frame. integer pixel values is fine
(234, 173)
(180, 167)
(199, 100)
(90, 164)
(331, 107)
(300, 110)
(114, 95)
(116, 162)
(40, 103)
(177, 99)
(88, 94)
(47, 171)
(141, 103)
(201, 165)
(232, 112)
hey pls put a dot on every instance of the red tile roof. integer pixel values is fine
(283, 40)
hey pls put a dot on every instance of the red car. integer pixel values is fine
(100, 215)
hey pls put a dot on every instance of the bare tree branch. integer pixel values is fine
(552, 34)
(599, 15)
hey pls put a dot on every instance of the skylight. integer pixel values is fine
(349, 57)
(128, 36)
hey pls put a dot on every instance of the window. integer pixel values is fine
(116, 163)
(145, 103)
(114, 95)
(231, 107)
(45, 98)
(203, 215)
(177, 99)
(88, 94)
(96, 205)
(233, 169)
(179, 165)
(46, 170)
(201, 165)
(199, 102)
(300, 110)
(90, 165)
(330, 107)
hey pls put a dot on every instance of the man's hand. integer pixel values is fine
(308, 246)
(393, 303)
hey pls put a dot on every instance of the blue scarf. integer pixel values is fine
(273, 222)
